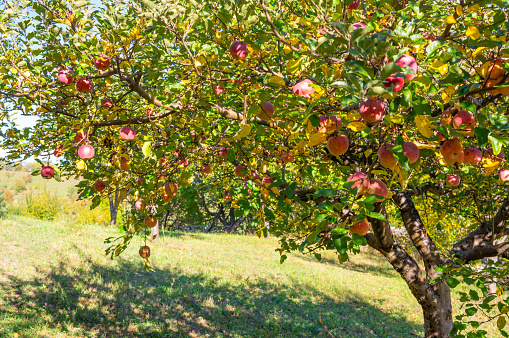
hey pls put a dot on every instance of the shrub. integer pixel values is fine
(3, 204)
(20, 185)
(27, 178)
(8, 195)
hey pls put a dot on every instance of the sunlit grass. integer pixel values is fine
(56, 282)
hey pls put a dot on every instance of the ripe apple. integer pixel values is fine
(287, 158)
(452, 180)
(267, 111)
(464, 117)
(66, 76)
(102, 62)
(504, 175)
(488, 153)
(99, 186)
(124, 164)
(239, 50)
(371, 110)
(144, 251)
(493, 69)
(360, 228)
(238, 171)
(80, 136)
(446, 117)
(337, 145)
(140, 181)
(408, 61)
(84, 85)
(227, 197)
(451, 149)
(218, 89)
(303, 88)
(398, 82)
(150, 221)
(206, 170)
(330, 123)
(58, 152)
(139, 204)
(171, 188)
(411, 151)
(106, 103)
(378, 187)
(472, 156)
(127, 134)
(267, 180)
(358, 25)
(184, 162)
(86, 151)
(386, 157)
(353, 5)
(47, 172)
(362, 183)
(166, 198)
(223, 152)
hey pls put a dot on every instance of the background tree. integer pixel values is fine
(339, 117)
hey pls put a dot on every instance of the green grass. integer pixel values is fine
(8, 180)
(56, 282)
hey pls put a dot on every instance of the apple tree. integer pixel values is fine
(334, 121)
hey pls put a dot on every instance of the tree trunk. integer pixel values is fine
(113, 209)
(438, 314)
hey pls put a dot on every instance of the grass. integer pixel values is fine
(8, 180)
(56, 282)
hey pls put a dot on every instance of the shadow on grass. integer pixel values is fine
(125, 301)
(373, 264)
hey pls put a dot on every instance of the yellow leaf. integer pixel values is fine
(293, 65)
(473, 8)
(473, 32)
(459, 10)
(243, 132)
(425, 145)
(450, 20)
(397, 119)
(317, 138)
(81, 165)
(490, 166)
(424, 126)
(356, 126)
(276, 80)
(477, 51)
(301, 146)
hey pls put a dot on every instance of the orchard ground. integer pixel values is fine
(56, 282)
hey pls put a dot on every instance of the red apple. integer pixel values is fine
(398, 83)
(267, 111)
(47, 172)
(167, 198)
(451, 149)
(223, 152)
(362, 183)
(144, 252)
(371, 110)
(267, 180)
(239, 171)
(58, 152)
(287, 158)
(463, 117)
(66, 76)
(218, 89)
(239, 50)
(353, 5)
(472, 156)
(86, 151)
(127, 134)
(452, 180)
(206, 170)
(99, 185)
(386, 157)
(358, 25)
(378, 187)
(140, 181)
(488, 153)
(80, 136)
(504, 175)
(150, 221)
(106, 103)
(102, 62)
(360, 228)
(411, 151)
(303, 88)
(408, 61)
(124, 164)
(171, 188)
(84, 86)
(227, 197)
(337, 145)
(139, 204)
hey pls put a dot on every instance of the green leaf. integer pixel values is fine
(146, 149)
(496, 143)
(340, 244)
(473, 294)
(482, 135)
(501, 321)
(471, 311)
(359, 240)
(452, 282)
(389, 69)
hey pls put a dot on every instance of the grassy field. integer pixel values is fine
(56, 282)
(8, 180)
